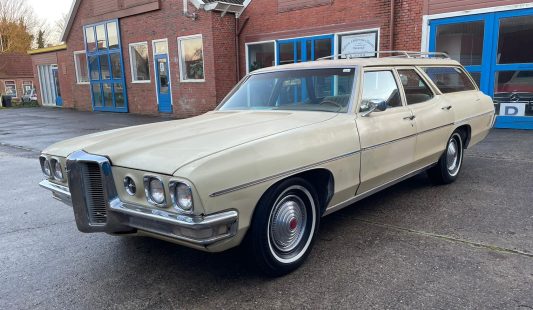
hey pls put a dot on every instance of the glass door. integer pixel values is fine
(512, 68)
(55, 77)
(162, 76)
(106, 69)
(494, 48)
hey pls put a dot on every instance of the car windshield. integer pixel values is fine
(327, 90)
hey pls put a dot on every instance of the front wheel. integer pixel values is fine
(284, 227)
(450, 163)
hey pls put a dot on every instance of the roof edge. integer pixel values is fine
(72, 13)
(48, 49)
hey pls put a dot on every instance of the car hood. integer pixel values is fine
(166, 146)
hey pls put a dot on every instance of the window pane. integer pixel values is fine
(100, 37)
(108, 94)
(104, 67)
(119, 95)
(261, 56)
(514, 38)
(93, 67)
(139, 62)
(116, 67)
(192, 59)
(323, 48)
(449, 79)
(416, 90)
(89, 35)
(112, 35)
(162, 75)
(513, 93)
(97, 96)
(308, 90)
(82, 75)
(477, 77)
(380, 86)
(463, 42)
(286, 53)
(161, 47)
(10, 88)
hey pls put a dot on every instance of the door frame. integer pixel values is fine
(169, 73)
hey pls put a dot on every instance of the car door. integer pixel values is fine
(387, 138)
(434, 115)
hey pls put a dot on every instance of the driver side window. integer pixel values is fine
(380, 86)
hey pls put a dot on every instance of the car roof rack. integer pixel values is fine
(392, 54)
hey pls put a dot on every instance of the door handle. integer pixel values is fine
(447, 108)
(410, 118)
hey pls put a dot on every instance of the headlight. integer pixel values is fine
(181, 196)
(45, 166)
(58, 171)
(130, 186)
(155, 190)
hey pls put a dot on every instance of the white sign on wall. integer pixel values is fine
(359, 44)
(513, 109)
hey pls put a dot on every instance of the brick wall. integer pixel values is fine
(267, 22)
(189, 99)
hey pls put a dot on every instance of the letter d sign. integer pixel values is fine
(513, 109)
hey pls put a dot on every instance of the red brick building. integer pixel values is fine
(183, 56)
(16, 75)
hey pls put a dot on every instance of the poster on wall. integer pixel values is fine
(358, 44)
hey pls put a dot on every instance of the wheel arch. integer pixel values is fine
(466, 133)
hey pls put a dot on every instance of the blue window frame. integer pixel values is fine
(303, 50)
(489, 67)
(106, 67)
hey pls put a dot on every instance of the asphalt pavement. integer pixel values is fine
(412, 246)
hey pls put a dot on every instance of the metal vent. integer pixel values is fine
(94, 194)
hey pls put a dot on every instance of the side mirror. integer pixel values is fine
(375, 105)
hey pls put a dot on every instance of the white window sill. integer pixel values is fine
(83, 83)
(141, 82)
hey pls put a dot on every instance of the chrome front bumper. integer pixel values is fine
(126, 218)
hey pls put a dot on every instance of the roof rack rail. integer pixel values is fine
(392, 54)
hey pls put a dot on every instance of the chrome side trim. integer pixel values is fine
(280, 175)
(433, 129)
(375, 146)
(472, 117)
(355, 199)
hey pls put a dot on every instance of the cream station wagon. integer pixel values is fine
(287, 146)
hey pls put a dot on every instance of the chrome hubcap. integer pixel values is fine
(453, 160)
(288, 223)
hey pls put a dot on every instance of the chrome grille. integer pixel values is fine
(94, 193)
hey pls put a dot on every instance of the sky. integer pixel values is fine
(50, 10)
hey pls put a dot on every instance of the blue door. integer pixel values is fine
(59, 100)
(106, 68)
(163, 83)
(494, 49)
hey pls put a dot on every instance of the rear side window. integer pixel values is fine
(449, 79)
(416, 90)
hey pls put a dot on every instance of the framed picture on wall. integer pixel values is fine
(361, 44)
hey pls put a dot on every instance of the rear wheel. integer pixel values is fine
(450, 163)
(284, 227)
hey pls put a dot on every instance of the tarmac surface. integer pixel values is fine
(414, 245)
